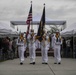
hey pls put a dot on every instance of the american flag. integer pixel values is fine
(29, 19)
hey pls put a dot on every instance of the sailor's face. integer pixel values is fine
(32, 33)
(57, 33)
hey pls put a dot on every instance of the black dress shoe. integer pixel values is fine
(55, 63)
(33, 63)
(43, 63)
(59, 63)
(46, 63)
(21, 63)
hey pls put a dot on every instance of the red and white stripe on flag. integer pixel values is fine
(29, 18)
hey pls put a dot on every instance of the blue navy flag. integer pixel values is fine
(40, 32)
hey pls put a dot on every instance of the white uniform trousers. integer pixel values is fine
(21, 50)
(57, 55)
(32, 52)
(44, 51)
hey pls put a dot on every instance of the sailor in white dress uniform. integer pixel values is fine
(32, 46)
(45, 45)
(57, 41)
(21, 48)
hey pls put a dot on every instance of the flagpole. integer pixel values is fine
(32, 20)
(45, 20)
(17, 28)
